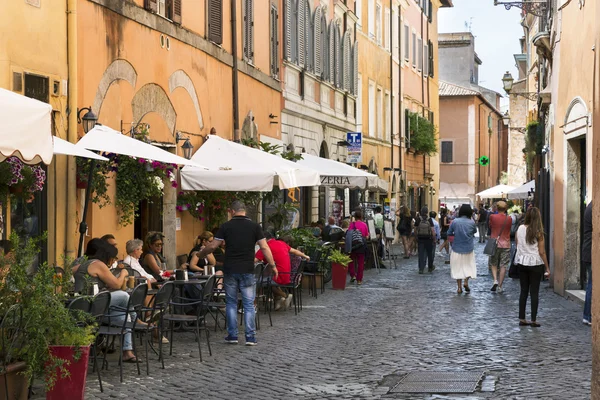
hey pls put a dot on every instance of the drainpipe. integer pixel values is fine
(234, 52)
(400, 100)
(392, 92)
(71, 209)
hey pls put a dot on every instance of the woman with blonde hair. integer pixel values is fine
(531, 260)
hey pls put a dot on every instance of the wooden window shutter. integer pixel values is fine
(355, 87)
(431, 60)
(338, 60)
(310, 30)
(317, 46)
(215, 21)
(430, 11)
(274, 42)
(407, 127)
(250, 15)
(287, 29)
(331, 52)
(301, 33)
(151, 5)
(324, 48)
(346, 54)
(177, 11)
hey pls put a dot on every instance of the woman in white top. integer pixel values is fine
(531, 259)
(134, 252)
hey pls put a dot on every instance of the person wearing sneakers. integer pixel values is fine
(499, 225)
(241, 235)
(281, 254)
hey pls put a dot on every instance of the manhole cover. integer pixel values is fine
(438, 382)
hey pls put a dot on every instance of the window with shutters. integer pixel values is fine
(215, 21)
(386, 29)
(274, 42)
(371, 18)
(395, 41)
(338, 57)
(325, 47)
(430, 59)
(430, 11)
(372, 128)
(309, 41)
(289, 31)
(407, 128)
(356, 85)
(414, 50)
(332, 52)
(426, 61)
(170, 9)
(359, 98)
(358, 11)
(447, 151)
(378, 32)
(301, 14)
(388, 116)
(406, 43)
(318, 40)
(249, 30)
(347, 82)
(420, 54)
(379, 105)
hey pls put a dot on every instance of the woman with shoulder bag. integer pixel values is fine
(531, 260)
(357, 266)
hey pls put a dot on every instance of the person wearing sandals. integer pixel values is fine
(531, 259)
(462, 258)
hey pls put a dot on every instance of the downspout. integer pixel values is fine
(392, 93)
(400, 100)
(71, 209)
(429, 98)
(479, 152)
(234, 52)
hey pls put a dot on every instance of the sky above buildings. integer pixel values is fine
(497, 33)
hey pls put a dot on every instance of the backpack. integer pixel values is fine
(424, 229)
(354, 240)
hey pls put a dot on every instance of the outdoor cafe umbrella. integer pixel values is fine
(495, 192)
(106, 140)
(25, 128)
(61, 146)
(522, 192)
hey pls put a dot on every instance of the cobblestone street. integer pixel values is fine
(358, 343)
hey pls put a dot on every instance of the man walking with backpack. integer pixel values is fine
(425, 233)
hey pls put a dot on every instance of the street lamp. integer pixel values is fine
(187, 146)
(89, 119)
(534, 7)
(507, 83)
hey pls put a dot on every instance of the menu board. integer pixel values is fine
(388, 229)
(372, 231)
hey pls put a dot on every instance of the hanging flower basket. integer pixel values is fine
(15, 189)
(19, 179)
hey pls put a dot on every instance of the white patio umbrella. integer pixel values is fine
(495, 192)
(522, 192)
(25, 128)
(235, 167)
(61, 146)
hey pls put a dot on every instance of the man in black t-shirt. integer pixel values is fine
(241, 235)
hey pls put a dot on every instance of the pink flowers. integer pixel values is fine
(31, 178)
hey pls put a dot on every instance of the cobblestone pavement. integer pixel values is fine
(355, 344)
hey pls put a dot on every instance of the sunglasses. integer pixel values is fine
(157, 244)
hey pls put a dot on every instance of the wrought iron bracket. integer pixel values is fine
(533, 96)
(535, 7)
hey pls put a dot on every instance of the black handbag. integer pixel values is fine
(513, 271)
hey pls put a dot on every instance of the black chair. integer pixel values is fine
(295, 286)
(311, 270)
(264, 291)
(216, 306)
(150, 315)
(135, 303)
(200, 307)
(98, 309)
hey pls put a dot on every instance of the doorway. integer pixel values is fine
(149, 218)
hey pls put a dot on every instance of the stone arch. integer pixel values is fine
(179, 79)
(576, 117)
(116, 71)
(373, 166)
(152, 98)
(323, 150)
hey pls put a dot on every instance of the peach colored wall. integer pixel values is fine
(415, 86)
(105, 36)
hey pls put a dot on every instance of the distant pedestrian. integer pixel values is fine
(405, 228)
(425, 234)
(499, 225)
(482, 223)
(444, 225)
(531, 259)
(462, 259)
(357, 266)
(241, 235)
(586, 258)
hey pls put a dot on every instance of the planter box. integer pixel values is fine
(13, 382)
(338, 276)
(73, 387)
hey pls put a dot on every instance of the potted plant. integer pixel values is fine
(56, 342)
(339, 269)
(192, 202)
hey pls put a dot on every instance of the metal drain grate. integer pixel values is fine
(438, 382)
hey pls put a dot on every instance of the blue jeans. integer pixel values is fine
(587, 307)
(120, 298)
(247, 286)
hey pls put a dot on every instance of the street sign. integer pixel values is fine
(484, 161)
(355, 147)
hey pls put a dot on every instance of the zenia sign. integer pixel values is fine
(335, 180)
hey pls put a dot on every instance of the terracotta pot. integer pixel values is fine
(72, 387)
(338, 276)
(13, 382)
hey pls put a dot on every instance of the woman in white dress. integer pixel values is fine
(462, 258)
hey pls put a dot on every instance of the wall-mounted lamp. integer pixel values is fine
(343, 143)
(89, 119)
(507, 83)
(187, 146)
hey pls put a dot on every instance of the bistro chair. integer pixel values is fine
(216, 306)
(295, 286)
(98, 309)
(135, 303)
(158, 309)
(198, 319)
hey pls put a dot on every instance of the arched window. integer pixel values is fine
(318, 42)
(324, 47)
(331, 54)
(309, 48)
(347, 82)
(338, 56)
(301, 17)
(290, 30)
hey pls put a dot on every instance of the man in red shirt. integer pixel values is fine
(500, 225)
(281, 254)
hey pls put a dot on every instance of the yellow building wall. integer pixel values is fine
(27, 45)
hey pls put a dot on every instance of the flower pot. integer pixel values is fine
(72, 387)
(338, 276)
(13, 382)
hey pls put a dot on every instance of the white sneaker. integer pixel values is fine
(499, 289)
(586, 322)
(288, 301)
(279, 303)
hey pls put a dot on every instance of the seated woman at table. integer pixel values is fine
(203, 265)
(95, 271)
(152, 260)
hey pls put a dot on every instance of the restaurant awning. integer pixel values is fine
(235, 167)
(104, 139)
(496, 192)
(61, 146)
(25, 128)
(336, 174)
(522, 192)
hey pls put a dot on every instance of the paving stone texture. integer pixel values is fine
(358, 343)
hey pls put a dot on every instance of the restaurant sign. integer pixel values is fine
(354, 148)
(335, 180)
